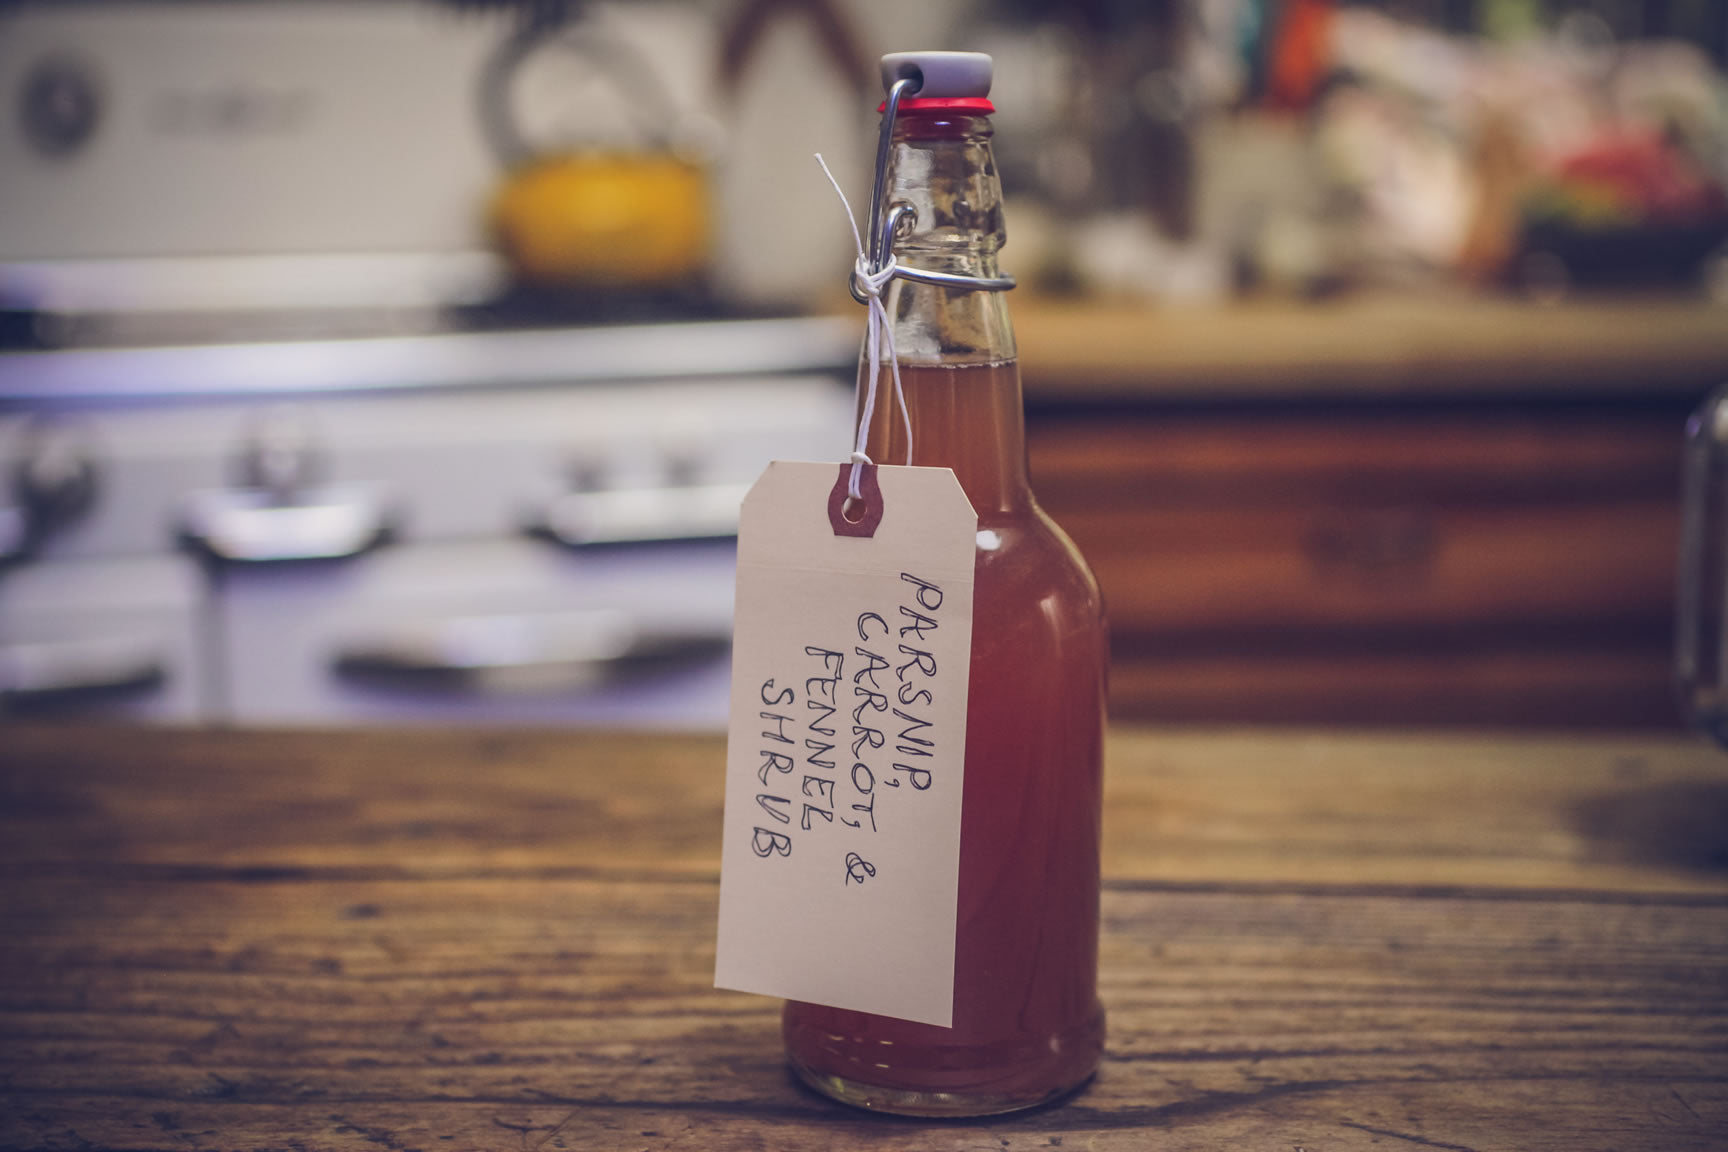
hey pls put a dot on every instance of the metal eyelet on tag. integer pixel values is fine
(868, 505)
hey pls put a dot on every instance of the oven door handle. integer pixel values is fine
(251, 526)
(505, 652)
(641, 515)
(60, 670)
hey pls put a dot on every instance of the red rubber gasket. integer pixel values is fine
(943, 104)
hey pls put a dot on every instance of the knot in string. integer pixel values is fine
(872, 281)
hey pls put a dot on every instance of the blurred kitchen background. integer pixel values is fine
(405, 360)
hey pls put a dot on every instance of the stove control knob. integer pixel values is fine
(56, 481)
(60, 106)
(282, 456)
(683, 467)
(587, 476)
(53, 484)
(14, 533)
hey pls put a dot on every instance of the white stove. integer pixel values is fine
(300, 451)
(527, 526)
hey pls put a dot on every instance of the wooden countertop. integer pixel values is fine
(500, 940)
(1369, 345)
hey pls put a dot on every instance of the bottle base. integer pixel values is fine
(913, 1102)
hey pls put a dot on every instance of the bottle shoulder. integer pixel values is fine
(1029, 551)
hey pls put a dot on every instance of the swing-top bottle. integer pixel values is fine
(1027, 1022)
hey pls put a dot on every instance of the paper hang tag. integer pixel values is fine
(851, 654)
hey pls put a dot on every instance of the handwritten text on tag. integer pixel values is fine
(847, 744)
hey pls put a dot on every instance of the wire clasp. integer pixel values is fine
(887, 222)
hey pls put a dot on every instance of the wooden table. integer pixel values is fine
(483, 940)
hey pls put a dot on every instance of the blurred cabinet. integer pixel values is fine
(1485, 557)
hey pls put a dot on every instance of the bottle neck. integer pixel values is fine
(967, 417)
(955, 348)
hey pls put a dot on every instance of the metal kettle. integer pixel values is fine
(595, 215)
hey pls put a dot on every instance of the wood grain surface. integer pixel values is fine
(484, 940)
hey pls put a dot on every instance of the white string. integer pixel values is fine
(878, 340)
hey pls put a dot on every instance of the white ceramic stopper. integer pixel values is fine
(946, 75)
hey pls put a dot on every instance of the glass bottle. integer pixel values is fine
(1027, 1023)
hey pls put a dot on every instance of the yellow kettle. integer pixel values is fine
(631, 217)
(605, 218)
